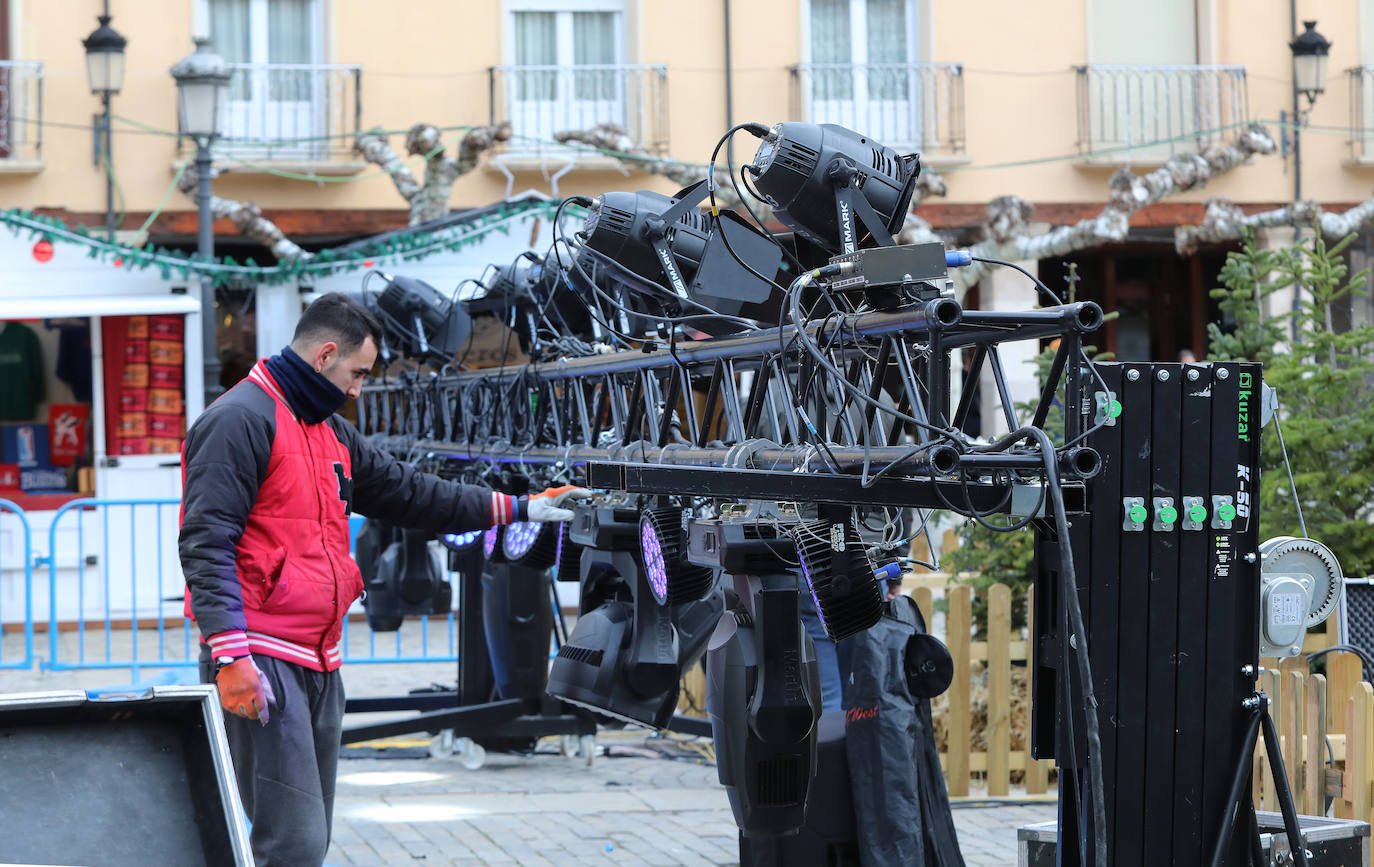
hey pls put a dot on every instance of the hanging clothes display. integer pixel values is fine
(23, 385)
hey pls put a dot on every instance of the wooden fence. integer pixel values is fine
(1325, 759)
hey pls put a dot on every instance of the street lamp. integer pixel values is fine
(202, 79)
(1310, 50)
(105, 72)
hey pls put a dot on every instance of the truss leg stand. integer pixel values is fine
(1260, 721)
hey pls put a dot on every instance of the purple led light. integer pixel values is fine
(489, 541)
(462, 540)
(558, 555)
(519, 539)
(806, 573)
(654, 566)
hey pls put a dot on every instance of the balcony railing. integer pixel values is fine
(291, 112)
(1362, 113)
(21, 110)
(540, 101)
(907, 106)
(1149, 113)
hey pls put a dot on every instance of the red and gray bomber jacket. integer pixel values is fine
(264, 522)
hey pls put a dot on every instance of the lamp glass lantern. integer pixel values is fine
(105, 58)
(1310, 54)
(202, 91)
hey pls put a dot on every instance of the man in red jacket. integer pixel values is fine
(270, 476)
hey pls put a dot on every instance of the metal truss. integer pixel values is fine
(762, 404)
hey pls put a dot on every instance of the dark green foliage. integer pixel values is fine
(1325, 385)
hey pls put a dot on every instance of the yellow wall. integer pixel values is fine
(427, 60)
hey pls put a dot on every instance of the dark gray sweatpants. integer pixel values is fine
(286, 768)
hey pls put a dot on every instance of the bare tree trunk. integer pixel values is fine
(1223, 220)
(429, 201)
(248, 219)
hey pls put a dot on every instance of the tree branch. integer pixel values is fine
(1223, 220)
(373, 147)
(1009, 216)
(430, 202)
(248, 219)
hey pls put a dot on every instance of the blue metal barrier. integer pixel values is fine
(21, 551)
(113, 569)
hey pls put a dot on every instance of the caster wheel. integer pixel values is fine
(441, 745)
(471, 755)
(587, 746)
(567, 746)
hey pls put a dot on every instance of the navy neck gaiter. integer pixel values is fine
(312, 397)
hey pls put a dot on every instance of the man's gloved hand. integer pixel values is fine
(244, 690)
(551, 504)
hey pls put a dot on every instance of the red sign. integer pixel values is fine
(67, 432)
(9, 476)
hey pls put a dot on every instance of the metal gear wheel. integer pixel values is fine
(1291, 555)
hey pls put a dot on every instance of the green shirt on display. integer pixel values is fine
(22, 382)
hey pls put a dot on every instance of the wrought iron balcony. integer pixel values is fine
(1362, 114)
(290, 112)
(540, 101)
(907, 106)
(21, 114)
(1149, 113)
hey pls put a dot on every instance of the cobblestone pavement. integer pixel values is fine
(544, 809)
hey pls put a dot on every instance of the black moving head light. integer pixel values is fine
(823, 180)
(420, 320)
(399, 574)
(663, 247)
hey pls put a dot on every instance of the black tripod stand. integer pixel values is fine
(1258, 705)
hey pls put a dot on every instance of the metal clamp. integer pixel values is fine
(1166, 515)
(1223, 511)
(1194, 513)
(1133, 514)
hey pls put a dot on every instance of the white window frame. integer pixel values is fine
(257, 28)
(917, 36)
(563, 26)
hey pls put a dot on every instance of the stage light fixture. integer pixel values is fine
(840, 576)
(568, 560)
(823, 180)
(461, 541)
(491, 545)
(764, 697)
(665, 249)
(532, 545)
(400, 575)
(420, 320)
(672, 579)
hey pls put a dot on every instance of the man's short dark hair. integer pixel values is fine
(338, 317)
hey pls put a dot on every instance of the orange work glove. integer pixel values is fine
(244, 690)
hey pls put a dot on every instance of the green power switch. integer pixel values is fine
(1168, 515)
(1226, 512)
(1138, 514)
(1114, 409)
(1197, 514)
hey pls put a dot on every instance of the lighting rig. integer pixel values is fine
(760, 413)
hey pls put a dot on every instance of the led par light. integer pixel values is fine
(672, 579)
(491, 545)
(530, 544)
(421, 320)
(663, 246)
(461, 541)
(823, 180)
(840, 575)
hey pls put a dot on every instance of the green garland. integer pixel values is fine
(406, 245)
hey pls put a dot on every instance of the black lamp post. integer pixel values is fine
(105, 72)
(202, 79)
(1310, 50)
